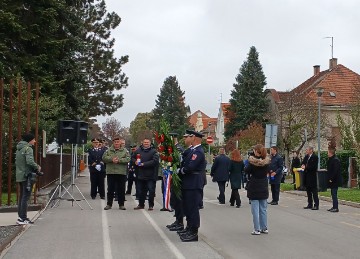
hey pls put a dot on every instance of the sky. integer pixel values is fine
(204, 43)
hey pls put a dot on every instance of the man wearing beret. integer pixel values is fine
(192, 184)
(24, 165)
(116, 158)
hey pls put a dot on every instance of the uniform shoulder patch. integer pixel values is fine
(194, 156)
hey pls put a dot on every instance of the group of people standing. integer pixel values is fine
(261, 170)
(118, 165)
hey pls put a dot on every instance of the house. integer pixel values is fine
(341, 88)
(203, 123)
(220, 125)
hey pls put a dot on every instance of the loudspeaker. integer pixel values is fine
(82, 129)
(67, 132)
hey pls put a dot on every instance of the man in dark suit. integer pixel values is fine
(334, 177)
(309, 165)
(220, 173)
(276, 168)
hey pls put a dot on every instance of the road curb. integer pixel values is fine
(342, 202)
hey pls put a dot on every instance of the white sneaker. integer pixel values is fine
(255, 232)
(22, 221)
(264, 231)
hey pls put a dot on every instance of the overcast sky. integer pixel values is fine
(204, 43)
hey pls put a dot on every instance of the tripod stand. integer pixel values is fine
(60, 186)
(74, 175)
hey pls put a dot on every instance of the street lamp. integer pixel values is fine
(319, 92)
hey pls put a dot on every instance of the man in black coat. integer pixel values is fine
(334, 177)
(146, 160)
(220, 173)
(310, 164)
(276, 168)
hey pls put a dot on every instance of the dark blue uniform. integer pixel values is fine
(192, 184)
(97, 178)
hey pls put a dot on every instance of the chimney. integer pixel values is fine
(332, 63)
(316, 69)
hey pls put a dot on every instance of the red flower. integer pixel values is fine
(170, 150)
(162, 138)
(169, 159)
(161, 148)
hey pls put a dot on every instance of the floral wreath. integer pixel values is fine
(169, 156)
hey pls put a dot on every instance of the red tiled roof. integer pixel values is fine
(193, 117)
(340, 86)
(206, 122)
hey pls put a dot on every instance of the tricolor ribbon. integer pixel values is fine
(166, 194)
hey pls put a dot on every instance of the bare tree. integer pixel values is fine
(298, 122)
(112, 127)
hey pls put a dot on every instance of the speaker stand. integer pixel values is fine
(59, 187)
(73, 176)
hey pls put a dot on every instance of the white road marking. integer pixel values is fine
(351, 225)
(106, 235)
(167, 241)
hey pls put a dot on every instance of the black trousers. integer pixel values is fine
(222, 191)
(23, 200)
(275, 191)
(143, 187)
(235, 197)
(131, 180)
(116, 183)
(97, 180)
(312, 193)
(191, 201)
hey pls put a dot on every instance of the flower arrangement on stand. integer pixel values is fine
(169, 161)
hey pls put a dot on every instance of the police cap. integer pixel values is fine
(194, 133)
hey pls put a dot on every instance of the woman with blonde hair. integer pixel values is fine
(257, 188)
(236, 172)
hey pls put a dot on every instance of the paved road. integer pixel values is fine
(68, 232)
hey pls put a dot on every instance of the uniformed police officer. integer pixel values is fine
(97, 169)
(131, 172)
(175, 201)
(192, 184)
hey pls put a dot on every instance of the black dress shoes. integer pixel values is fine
(191, 236)
(308, 207)
(172, 224)
(315, 208)
(177, 227)
(334, 210)
(274, 203)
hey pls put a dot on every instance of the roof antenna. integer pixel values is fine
(332, 46)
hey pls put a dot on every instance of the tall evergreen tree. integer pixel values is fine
(104, 75)
(248, 102)
(171, 107)
(66, 46)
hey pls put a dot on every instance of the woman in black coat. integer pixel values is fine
(257, 188)
(236, 172)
